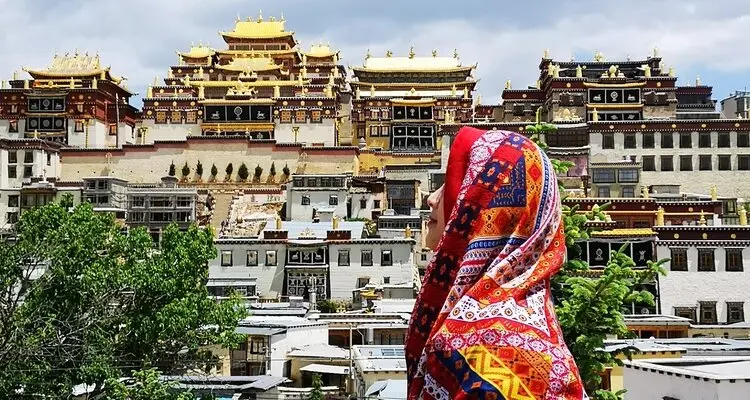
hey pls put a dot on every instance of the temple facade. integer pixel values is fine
(261, 86)
(75, 101)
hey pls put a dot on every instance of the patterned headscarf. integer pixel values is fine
(484, 325)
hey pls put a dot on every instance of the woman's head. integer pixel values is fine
(436, 222)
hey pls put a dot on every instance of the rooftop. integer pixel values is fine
(283, 322)
(319, 351)
(258, 29)
(380, 358)
(715, 368)
(76, 65)
(412, 63)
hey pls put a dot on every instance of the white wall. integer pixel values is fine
(319, 199)
(687, 288)
(643, 385)
(269, 278)
(5, 127)
(729, 183)
(323, 132)
(359, 212)
(175, 132)
(281, 345)
(344, 278)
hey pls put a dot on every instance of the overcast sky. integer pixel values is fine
(506, 38)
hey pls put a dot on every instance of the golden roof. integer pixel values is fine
(321, 50)
(248, 64)
(625, 232)
(258, 29)
(412, 63)
(199, 51)
(77, 65)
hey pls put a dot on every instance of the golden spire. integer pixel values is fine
(357, 93)
(656, 52)
(201, 92)
(330, 79)
(453, 90)
(647, 71)
(25, 83)
(276, 91)
(508, 85)
(260, 15)
(644, 192)
(671, 72)
(411, 52)
(367, 55)
(455, 53)
(702, 221)
(278, 222)
(95, 83)
(545, 55)
(388, 53)
(335, 222)
(434, 53)
(595, 115)
(743, 215)
(372, 90)
(15, 75)
(4, 85)
(714, 193)
(698, 80)
(72, 83)
(407, 232)
(579, 72)
(479, 99)
(150, 92)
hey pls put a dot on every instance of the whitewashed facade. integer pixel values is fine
(317, 197)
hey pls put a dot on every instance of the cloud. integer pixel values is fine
(139, 37)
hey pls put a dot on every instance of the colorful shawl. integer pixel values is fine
(484, 326)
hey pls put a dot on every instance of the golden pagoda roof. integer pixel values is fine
(199, 51)
(625, 232)
(77, 65)
(412, 63)
(248, 64)
(258, 29)
(320, 50)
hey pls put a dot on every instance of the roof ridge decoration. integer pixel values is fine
(412, 62)
(77, 66)
(258, 28)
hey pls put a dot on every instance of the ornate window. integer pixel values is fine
(286, 116)
(300, 116)
(191, 117)
(316, 116)
(706, 260)
(13, 127)
(678, 260)
(161, 117)
(686, 312)
(735, 312)
(176, 117)
(734, 260)
(78, 126)
(708, 313)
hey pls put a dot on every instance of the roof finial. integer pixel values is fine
(388, 53)
(238, 18)
(411, 52)
(656, 52)
(455, 53)
(260, 15)
(367, 56)
(282, 18)
(434, 53)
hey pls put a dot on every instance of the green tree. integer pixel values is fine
(106, 304)
(214, 171)
(199, 169)
(145, 385)
(185, 170)
(317, 388)
(172, 169)
(258, 172)
(229, 170)
(243, 173)
(590, 309)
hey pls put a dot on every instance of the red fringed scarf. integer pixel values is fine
(484, 325)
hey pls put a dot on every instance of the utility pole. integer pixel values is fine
(351, 359)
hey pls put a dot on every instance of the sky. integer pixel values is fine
(506, 39)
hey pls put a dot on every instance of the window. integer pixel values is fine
(604, 176)
(706, 260)
(602, 191)
(628, 191)
(13, 157)
(627, 175)
(12, 173)
(13, 128)
(705, 162)
(704, 140)
(300, 116)
(286, 116)
(686, 163)
(686, 312)
(362, 203)
(271, 258)
(252, 258)
(678, 260)
(226, 258)
(686, 141)
(666, 163)
(333, 200)
(735, 312)
(367, 258)
(176, 116)
(28, 171)
(13, 200)
(344, 258)
(49, 159)
(648, 140)
(743, 139)
(363, 281)
(734, 260)
(724, 139)
(743, 162)
(386, 280)
(305, 200)
(608, 140)
(113, 129)
(708, 312)
(11, 217)
(376, 204)
(667, 140)
(629, 142)
(316, 116)
(28, 157)
(725, 163)
(184, 202)
(649, 163)
(191, 117)
(386, 259)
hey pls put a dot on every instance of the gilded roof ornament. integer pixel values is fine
(647, 71)
(455, 53)
(434, 53)
(545, 55)
(579, 72)
(599, 57)
(656, 52)
(508, 85)
(698, 80)
(671, 72)
(367, 55)
(388, 53)
(411, 52)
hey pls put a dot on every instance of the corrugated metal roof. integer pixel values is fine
(319, 350)
(326, 369)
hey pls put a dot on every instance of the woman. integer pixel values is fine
(484, 325)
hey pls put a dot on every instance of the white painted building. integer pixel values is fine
(687, 378)
(22, 160)
(706, 279)
(317, 197)
(299, 258)
(270, 340)
(377, 363)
